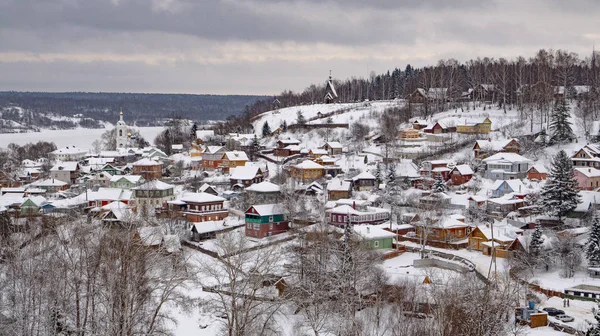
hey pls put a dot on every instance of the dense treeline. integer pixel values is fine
(510, 79)
(144, 109)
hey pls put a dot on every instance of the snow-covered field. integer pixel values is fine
(81, 137)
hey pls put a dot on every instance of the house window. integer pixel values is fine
(249, 225)
(271, 227)
(256, 226)
(376, 243)
(271, 219)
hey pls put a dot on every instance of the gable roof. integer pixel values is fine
(130, 178)
(493, 145)
(333, 144)
(307, 164)
(244, 172)
(539, 168)
(372, 232)
(364, 176)
(66, 166)
(267, 209)
(507, 157)
(515, 185)
(235, 156)
(336, 184)
(146, 162)
(463, 169)
(265, 186)
(588, 171)
(154, 185)
(204, 134)
(201, 197)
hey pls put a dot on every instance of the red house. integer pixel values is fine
(537, 172)
(461, 174)
(265, 220)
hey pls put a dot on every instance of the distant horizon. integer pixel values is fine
(133, 92)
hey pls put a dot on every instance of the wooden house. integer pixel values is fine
(447, 231)
(410, 133)
(587, 178)
(475, 127)
(317, 153)
(504, 187)
(212, 157)
(207, 188)
(364, 181)
(502, 206)
(333, 148)
(419, 96)
(198, 207)
(308, 171)
(484, 148)
(246, 176)
(340, 214)
(439, 128)
(287, 147)
(148, 169)
(503, 237)
(419, 124)
(338, 189)
(264, 192)
(461, 174)
(537, 173)
(265, 220)
(587, 156)
(484, 92)
(66, 171)
(374, 237)
(232, 159)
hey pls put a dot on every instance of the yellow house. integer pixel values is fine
(472, 128)
(308, 170)
(197, 150)
(233, 159)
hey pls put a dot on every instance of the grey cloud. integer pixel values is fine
(214, 20)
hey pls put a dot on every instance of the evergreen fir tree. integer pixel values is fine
(537, 242)
(560, 194)
(592, 248)
(560, 126)
(378, 174)
(391, 175)
(594, 330)
(366, 160)
(439, 185)
(284, 126)
(300, 120)
(193, 132)
(266, 130)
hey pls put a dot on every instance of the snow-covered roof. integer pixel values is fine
(364, 176)
(268, 209)
(540, 168)
(49, 183)
(507, 157)
(213, 149)
(336, 184)
(264, 186)
(588, 171)
(506, 199)
(37, 200)
(151, 235)
(66, 166)
(515, 185)
(319, 151)
(209, 226)
(334, 144)
(371, 232)
(205, 187)
(503, 233)
(449, 223)
(154, 185)
(235, 156)
(204, 134)
(177, 146)
(493, 145)
(130, 178)
(464, 169)
(307, 164)
(243, 172)
(289, 141)
(200, 198)
(146, 162)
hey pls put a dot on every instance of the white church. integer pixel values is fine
(123, 134)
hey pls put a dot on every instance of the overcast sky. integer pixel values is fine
(266, 46)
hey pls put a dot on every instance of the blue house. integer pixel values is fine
(501, 188)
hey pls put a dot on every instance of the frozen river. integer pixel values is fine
(80, 137)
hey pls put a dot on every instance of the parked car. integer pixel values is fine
(564, 318)
(553, 311)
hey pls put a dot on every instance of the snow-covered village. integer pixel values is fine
(299, 168)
